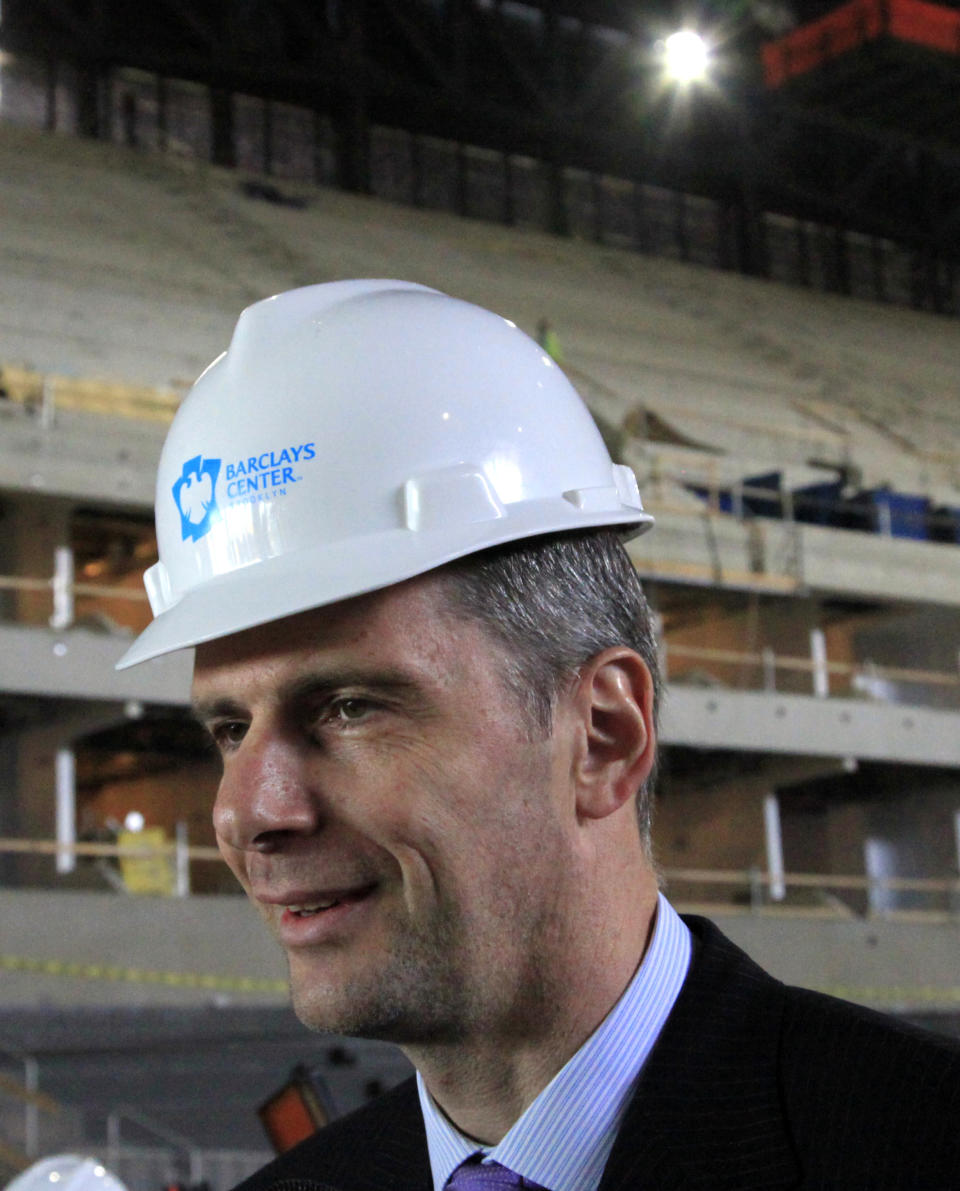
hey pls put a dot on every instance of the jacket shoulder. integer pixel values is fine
(379, 1147)
(870, 1094)
(832, 1096)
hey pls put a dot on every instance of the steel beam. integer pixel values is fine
(748, 721)
(79, 664)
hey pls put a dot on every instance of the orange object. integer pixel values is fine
(855, 23)
(293, 1113)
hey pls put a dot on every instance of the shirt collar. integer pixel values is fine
(563, 1139)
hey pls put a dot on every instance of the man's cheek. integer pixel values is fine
(235, 863)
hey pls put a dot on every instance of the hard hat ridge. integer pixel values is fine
(353, 435)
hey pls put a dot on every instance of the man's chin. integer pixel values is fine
(354, 1011)
(326, 1016)
(328, 1005)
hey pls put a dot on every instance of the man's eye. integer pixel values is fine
(228, 734)
(350, 710)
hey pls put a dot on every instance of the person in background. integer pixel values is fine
(549, 340)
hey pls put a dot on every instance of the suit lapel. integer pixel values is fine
(706, 1113)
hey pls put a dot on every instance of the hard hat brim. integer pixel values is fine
(313, 578)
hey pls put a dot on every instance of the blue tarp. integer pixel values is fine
(818, 504)
(872, 510)
(759, 505)
(906, 514)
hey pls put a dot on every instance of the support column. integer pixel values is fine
(91, 81)
(773, 838)
(33, 530)
(50, 96)
(223, 150)
(161, 95)
(65, 781)
(818, 656)
(557, 219)
(9, 808)
(749, 231)
(350, 121)
(40, 801)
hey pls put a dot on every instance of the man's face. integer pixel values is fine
(406, 834)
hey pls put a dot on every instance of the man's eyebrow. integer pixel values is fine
(205, 710)
(310, 686)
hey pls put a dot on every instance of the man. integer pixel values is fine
(394, 536)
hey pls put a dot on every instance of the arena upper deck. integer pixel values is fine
(132, 267)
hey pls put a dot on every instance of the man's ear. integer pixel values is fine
(614, 702)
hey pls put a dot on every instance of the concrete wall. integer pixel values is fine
(114, 942)
(97, 949)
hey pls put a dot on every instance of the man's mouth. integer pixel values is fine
(310, 909)
(316, 908)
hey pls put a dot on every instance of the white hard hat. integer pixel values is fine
(356, 434)
(66, 1172)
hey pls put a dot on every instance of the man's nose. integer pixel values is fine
(264, 797)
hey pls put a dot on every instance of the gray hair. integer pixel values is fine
(555, 602)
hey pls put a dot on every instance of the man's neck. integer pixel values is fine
(485, 1086)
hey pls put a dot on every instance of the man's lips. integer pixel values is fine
(319, 903)
(301, 906)
(305, 899)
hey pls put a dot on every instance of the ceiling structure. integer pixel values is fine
(866, 141)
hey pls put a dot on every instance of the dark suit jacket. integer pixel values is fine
(752, 1084)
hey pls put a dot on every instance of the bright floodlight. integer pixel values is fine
(686, 56)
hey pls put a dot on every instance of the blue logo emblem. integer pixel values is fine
(196, 496)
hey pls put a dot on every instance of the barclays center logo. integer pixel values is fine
(195, 494)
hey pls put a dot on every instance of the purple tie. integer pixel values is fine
(473, 1175)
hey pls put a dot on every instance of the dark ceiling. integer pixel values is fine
(868, 142)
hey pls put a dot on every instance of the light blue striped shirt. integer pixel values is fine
(564, 1138)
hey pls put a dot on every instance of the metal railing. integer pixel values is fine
(755, 669)
(141, 1167)
(190, 1154)
(882, 511)
(26, 1092)
(148, 1168)
(758, 670)
(867, 512)
(722, 500)
(42, 394)
(771, 892)
(753, 885)
(175, 848)
(177, 856)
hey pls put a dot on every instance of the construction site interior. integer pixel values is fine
(795, 438)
